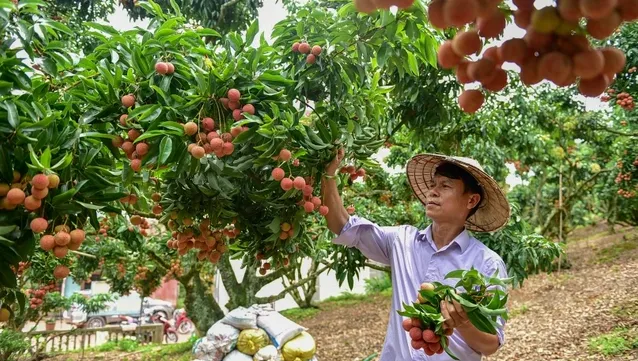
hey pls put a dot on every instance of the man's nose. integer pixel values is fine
(432, 192)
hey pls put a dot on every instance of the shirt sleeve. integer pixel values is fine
(373, 241)
(497, 265)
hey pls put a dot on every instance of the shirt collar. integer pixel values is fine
(462, 240)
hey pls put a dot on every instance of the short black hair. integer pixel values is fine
(470, 184)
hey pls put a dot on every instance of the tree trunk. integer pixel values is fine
(538, 200)
(310, 288)
(200, 305)
(611, 214)
(244, 293)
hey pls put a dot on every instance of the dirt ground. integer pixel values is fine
(554, 316)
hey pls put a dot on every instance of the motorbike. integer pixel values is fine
(127, 320)
(169, 330)
(183, 324)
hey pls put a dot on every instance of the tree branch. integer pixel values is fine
(159, 260)
(228, 275)
(132, 211)
(189, 275)
(293, 286)
(569, 198)
(612, 131)
(82, 254)
(377, 267)
(313, 109)
(264, 280)
(396, 128)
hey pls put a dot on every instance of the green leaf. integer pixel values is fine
(153, 134)
(383, 53)
(64, 197)
(251, 32)
(151, 114)
(414, 68)
(455, 274)
(6, 229)
(97, 135)
(12, 113)
(176, 8)
(275, 225)
(165, 150)
(34, 158)
(481, 323)
(275, 78)
(45, 159)
(447, 349)
(7, 277)
(64, 162)
(59, 26)
(50, 66)
(245, 136)
(208, 32)
(22, 300)
(89, 206)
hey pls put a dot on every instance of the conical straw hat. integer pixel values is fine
(493, 212)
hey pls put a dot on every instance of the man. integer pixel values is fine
(458, 196)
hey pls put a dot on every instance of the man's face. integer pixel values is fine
(447, 202)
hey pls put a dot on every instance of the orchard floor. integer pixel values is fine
(586, 312)
(573, 315)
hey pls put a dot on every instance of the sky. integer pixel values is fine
(273, 12)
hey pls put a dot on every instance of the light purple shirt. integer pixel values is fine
(414, 259)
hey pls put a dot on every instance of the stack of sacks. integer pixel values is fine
(258, 333)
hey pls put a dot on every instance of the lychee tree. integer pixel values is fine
(208, 126)
(49, 163)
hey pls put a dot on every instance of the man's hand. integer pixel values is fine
(454, 314)
(331, 168)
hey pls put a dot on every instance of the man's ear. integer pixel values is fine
(473, 201)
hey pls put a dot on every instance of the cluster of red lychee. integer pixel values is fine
(37, 295)
(304, 48)
(210, 242)
(207, 140)
(554, 47)
(141, 274)
(22, 266)
(14, 195)
(157, 208)
(142, 223)
(175, 269)
(626, 194)
(309, 202)
(354, 173)
(134, 152)
(61, 241)
(266, 265)
(623, 99)
(233, 102)
(164, 68)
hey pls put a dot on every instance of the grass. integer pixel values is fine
(378, 284)
(616, 342)
(151, 352)
(299, 314)
(627, 311)
(521, 310)
(175, 352)
(374, 286)
(611, 253)
(345, 299)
